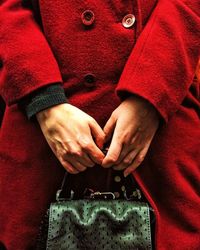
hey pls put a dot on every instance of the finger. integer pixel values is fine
(75, 163)
(127, 161)
(70, 153)
(75, 147)
(76, 156)
(77, 152)
(133, 143)
(126, 150)
(114, 149)
(138, 160)
(90, 149)
(97, 133)
(136, 144)
(109, 128)
(94, 152)
(68, 167)
(86, 161)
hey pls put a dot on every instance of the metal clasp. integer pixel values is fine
(103, 195)
(59, 198)
(135, 195)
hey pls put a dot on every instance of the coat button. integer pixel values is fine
(89, 80)
(88, 17)
(117, 178)
(128, 21)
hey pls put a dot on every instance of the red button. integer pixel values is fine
(88, 17)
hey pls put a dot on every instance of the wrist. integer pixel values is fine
(52, 111)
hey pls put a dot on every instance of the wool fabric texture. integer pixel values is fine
(156, 59)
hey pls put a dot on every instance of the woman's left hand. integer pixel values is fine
(131, 129)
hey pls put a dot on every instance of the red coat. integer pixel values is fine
(155, 59)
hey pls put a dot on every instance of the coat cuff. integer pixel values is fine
(43, 98)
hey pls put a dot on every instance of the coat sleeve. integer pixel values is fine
(162, 64)
(43, 98)
(26, 61)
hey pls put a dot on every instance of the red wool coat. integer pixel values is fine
(155, 59)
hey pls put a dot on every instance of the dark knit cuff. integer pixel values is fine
(42, 99)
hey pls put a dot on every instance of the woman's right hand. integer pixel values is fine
(74, 137)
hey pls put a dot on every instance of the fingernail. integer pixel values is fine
(126, 174)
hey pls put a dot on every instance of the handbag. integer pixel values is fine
(98, 221)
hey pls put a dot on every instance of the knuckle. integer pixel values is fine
(113, 115)
(87, 146)
(140, 159)
(91, 120)
(127, 161)
(79, 153)
(83, 141)
(113, 159)
(76, 153)
(62, 154)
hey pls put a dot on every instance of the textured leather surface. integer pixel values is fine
(99, 224)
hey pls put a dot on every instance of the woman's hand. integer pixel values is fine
(74, 137)
(132, 127)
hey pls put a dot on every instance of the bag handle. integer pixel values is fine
(63, 187)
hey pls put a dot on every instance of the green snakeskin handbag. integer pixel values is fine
(99, 221)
